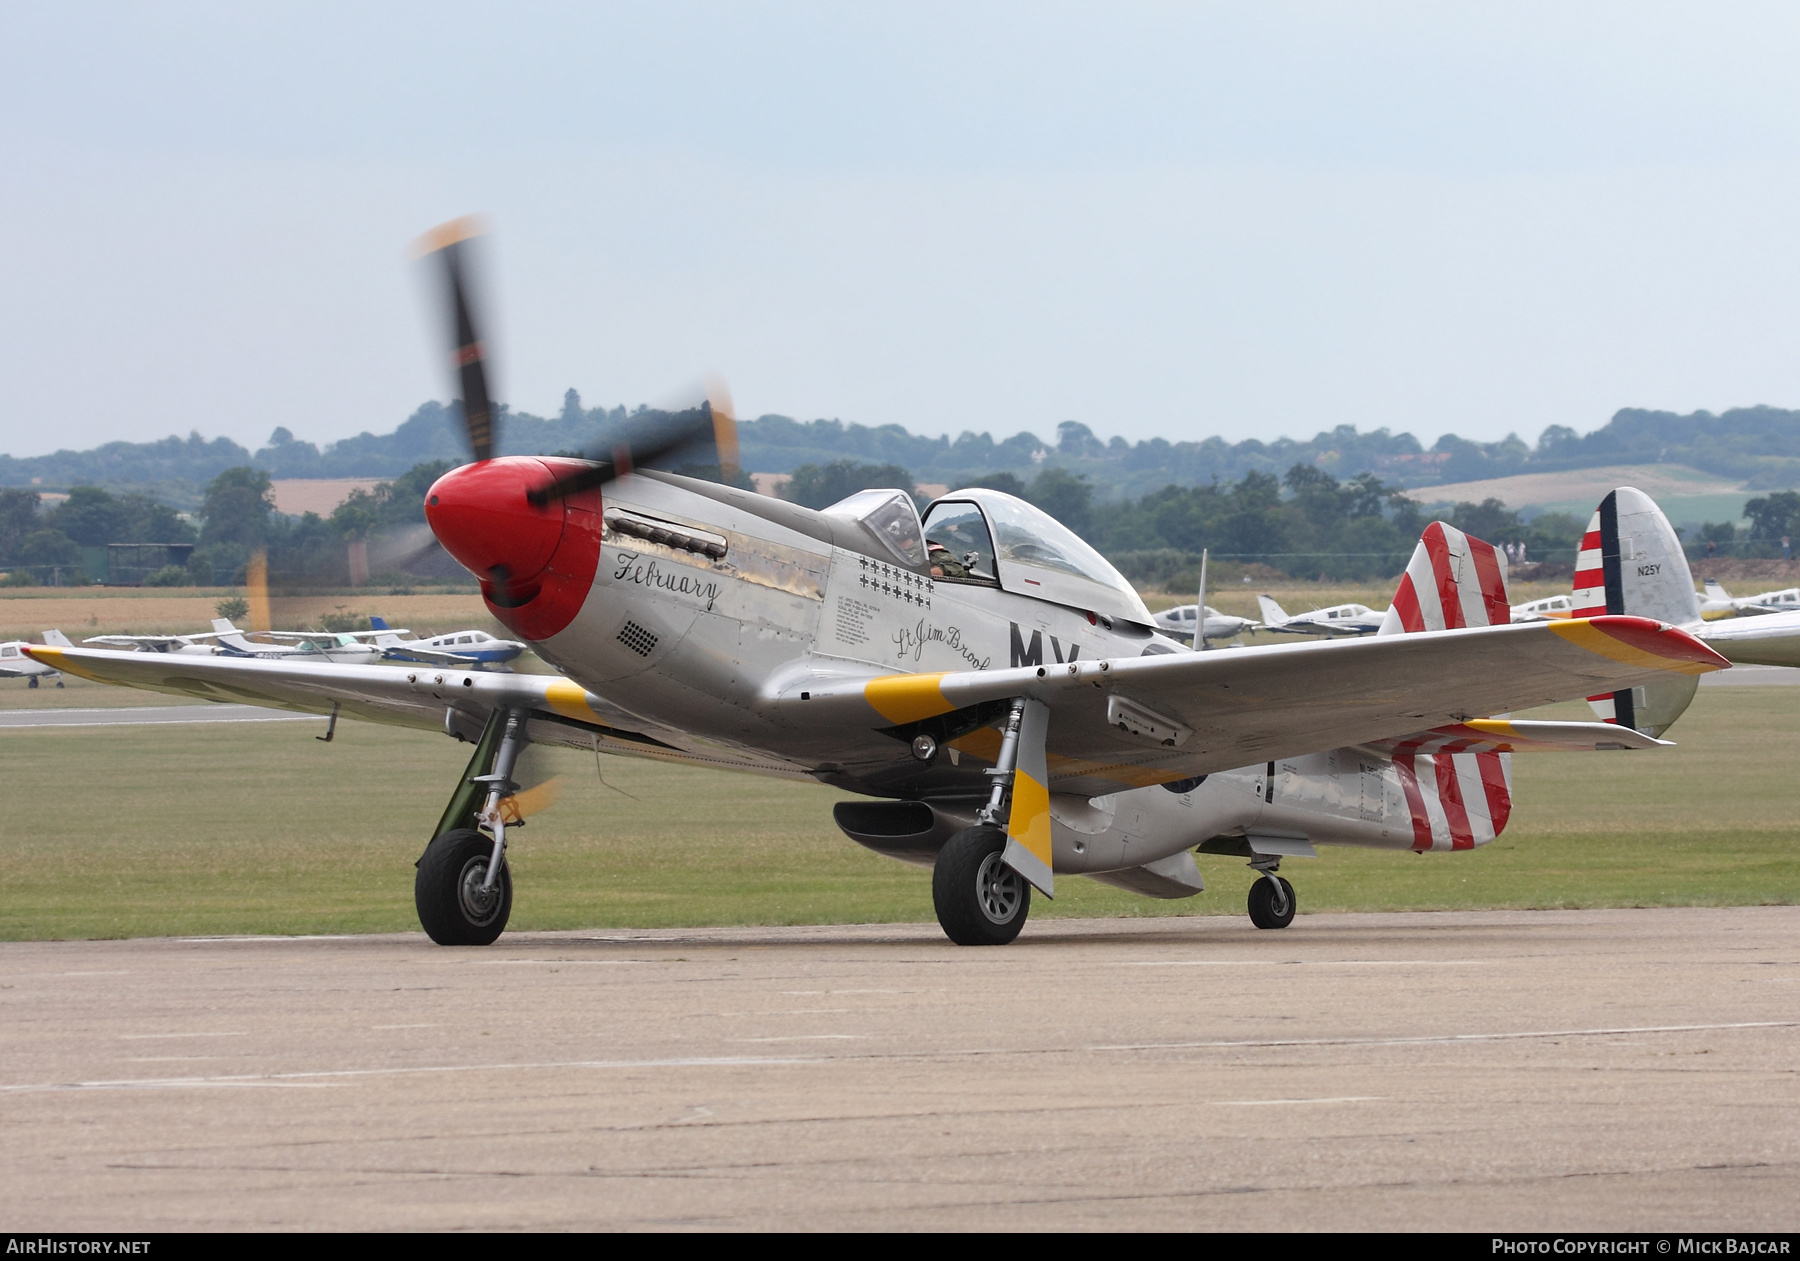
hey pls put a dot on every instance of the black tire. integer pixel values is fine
(447, 891)
(1271, 902)
(980, 901)
(33, 682)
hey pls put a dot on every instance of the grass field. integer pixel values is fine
(262, 829)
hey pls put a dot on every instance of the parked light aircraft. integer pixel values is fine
(15, 664)
(341, 648)
(1178, 623)
(195, 645)
(226, 639)
(1009, 723)
(1547, 609)
(1339, 619)
(454, 648)
(1719, 602)
(1631, 562)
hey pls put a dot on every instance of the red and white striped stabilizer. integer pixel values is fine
(1452, 580)
(1457, 800)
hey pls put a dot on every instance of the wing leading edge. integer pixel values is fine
(1145, 720)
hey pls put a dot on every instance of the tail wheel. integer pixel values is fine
(454, 909)
(980, 901)
(1271, 902)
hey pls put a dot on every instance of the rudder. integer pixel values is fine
(1631, 562)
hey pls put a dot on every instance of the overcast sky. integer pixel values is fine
(1176, 220)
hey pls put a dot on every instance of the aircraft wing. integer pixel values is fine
(1770, 640)
(1146, 720)
(455, 701)
(1320, 630)
(1507, 735)
(151, 643)
(433, 656)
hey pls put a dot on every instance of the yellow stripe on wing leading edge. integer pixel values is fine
(54, 658)
(903, 698)
(569, 700)
(1583, 633)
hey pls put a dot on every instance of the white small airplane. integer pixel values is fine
(1719, 602)
(1179, 622)
(1339, 619)
(198, 645)
(453, 648)
(339, 648)
(15, 664)
(1549, 609)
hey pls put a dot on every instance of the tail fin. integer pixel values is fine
(57, 639)
(1272, 613)
(1457, 800)
(377, 623)
(1631, 561)
(1714, 591)
(1452, 580)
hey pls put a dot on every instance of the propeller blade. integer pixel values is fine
(650, 437)
(529, 801)
(724, 416)
(450, 242)
(256, 591)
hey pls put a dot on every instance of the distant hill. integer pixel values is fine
(1757, 446)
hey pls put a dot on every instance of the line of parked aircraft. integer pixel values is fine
(464, 649)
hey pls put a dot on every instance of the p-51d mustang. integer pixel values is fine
(1011, 715)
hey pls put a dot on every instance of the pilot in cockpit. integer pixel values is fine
(957, 544)
(943, 564)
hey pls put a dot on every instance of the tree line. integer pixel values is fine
(1306, 523)
(1761, 444)
(236, 517)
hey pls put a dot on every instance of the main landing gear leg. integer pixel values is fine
(1271, 898)
(981, 882)
(463, 889)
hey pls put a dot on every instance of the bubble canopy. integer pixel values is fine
(890, 517)
(1036, 555)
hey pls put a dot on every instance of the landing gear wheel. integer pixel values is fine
(980, 901)
(1271, 902)
(33, 682)
(453, 910)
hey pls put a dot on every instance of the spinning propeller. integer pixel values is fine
(644, 440)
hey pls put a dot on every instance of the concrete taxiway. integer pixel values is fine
(1489, 1070)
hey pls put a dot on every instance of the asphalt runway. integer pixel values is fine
(1599, 1070)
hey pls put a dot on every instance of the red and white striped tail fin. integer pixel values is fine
(1590, 572)
(1452, 580)
(1631, 561)
(1457, 800)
